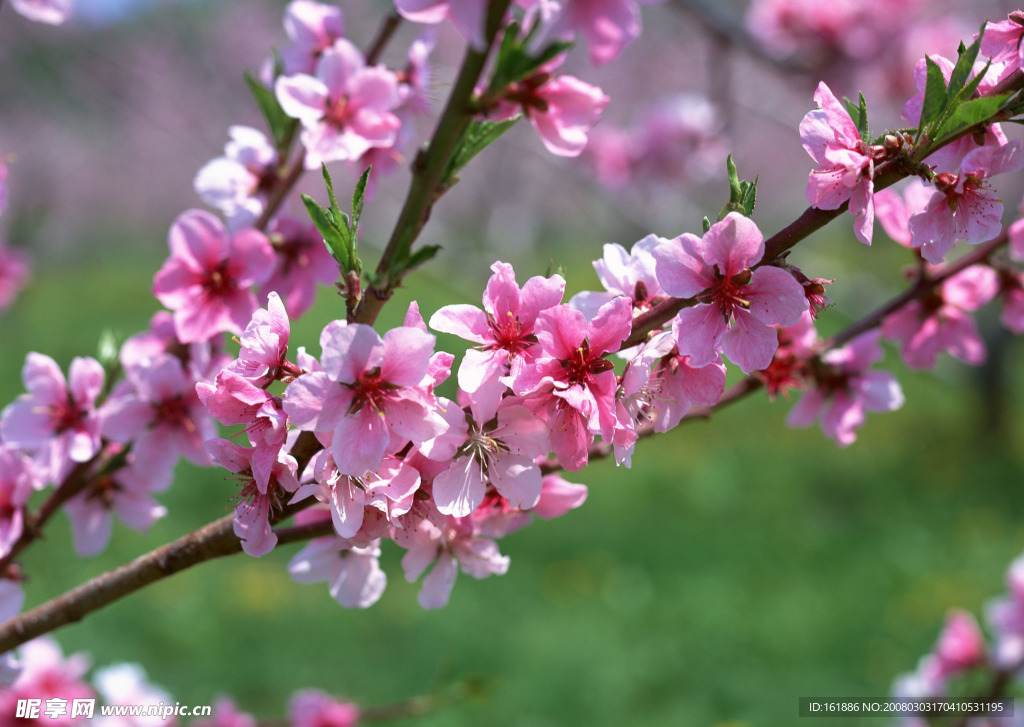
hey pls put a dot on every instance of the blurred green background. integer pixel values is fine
(738, 566)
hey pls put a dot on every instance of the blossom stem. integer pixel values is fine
(384, 35)
(427, 170)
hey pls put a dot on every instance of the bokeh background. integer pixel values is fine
(738, 566)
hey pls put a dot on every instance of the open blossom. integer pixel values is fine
(127, 493)
(345, 109)
(735, 305)
(446, 543)
(207, 279)
(630, 274)
(1002, 41)
(46, 674)
(302, 263)
(942, 322)
(368, 395)
(129, 684)
(312, 27)
(57, 419)
(503, 332)
(563, 111)
(351, 567)
(157, 409)
(237, 182)
(963, 207)
(846, 167)
(500, 452)
(571, 383)
(846, 390)
(256, 501)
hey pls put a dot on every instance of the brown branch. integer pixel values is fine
(428, 168)
(384, 35)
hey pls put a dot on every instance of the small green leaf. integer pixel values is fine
(964, 66)
(281, 125)
(336, 238)
(934, 93)
(478, 136)
(358, 197)
(969, 114)
(421, 256)
(705, 225)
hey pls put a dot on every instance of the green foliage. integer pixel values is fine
(340, 230)
(282, 127)
(949, 110)
(515, 61)
(477, 137)
(859, 114)
(742, 193)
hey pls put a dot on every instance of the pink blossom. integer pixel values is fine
(226, 714)
(368, 395)
(206, 281)
(679, 140)
(570, 383)
(126, 493)
(46, 674)
(352, 571)
(671, 386)
(499, 452)
(389, 491)
(1011, 290)
(962, 207)
(846, 390)
(346, 109)
(302, 263)
(717, 270)
(940, 321)
(607, 26)
(563, 111)
(51, 12)
(630, 274)
(264, 344)
(447, 543)
(313, 708)
(961, 645)
(1001, 41)
(57, 419)
(846, 167)
(18, 480)
(503, 332)
(894, 210)
(237, 183)
(467, 16)
(156, 408)
(312, 27)
(202, 360)
(558, 496)
(14, 272)
(255, 502)
(128, 684)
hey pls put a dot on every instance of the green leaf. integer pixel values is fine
(281, 125)
(336, 238)
(742, 193)
(421, 256)
(964, 65)
(858, 114)
(969, 114)
(478, 135)
(934, 93)
(705, 225)
(358, 197)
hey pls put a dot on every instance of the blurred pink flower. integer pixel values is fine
(735, 305)
(345, 109)
(14, 271)
(51, 12)
(207, 279)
